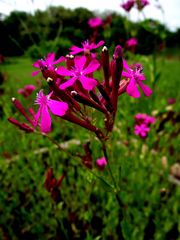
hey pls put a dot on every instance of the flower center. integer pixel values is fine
(77, 73)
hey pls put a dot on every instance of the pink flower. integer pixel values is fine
(101, 163)
(144, 118)
(57, 108)
(140, 4)
(95, 22)
(27, 90)
(78, 72)
(140, 116)
(47, 63)
(171, 101)
(136, 77)
(141, 130)
(128, 5)
(86, 47)
(149, 120)
(132, 42)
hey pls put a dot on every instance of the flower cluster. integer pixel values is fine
(139, 4)
(142, 124)
(73, 87)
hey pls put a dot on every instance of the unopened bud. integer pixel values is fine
(21, 109)
(118, 53)
(69, 61)
(116, 70)
(105, 65)
(81, 98)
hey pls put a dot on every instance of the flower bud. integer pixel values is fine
(101, 163)
(105, 65)
(116, 71)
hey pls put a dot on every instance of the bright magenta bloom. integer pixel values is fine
(27, 90)
(95, 22)
(101, 163)
(47, 63)
(78, 72)
(136, 77)
(140, 4)
(45, 104)
(141, 130)
(128, 5)
(132, 42)
(86, 47)
(144, 118)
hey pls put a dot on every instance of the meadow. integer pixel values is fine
(87, 208)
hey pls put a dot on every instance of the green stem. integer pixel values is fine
(57, 144)
(113, 179)
(116, 190)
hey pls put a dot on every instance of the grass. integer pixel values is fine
(87, 207)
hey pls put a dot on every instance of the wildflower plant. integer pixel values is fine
(74, 93)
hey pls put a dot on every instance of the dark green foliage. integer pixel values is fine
(21, 30)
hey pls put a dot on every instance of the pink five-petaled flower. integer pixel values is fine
(101, 163)
(47, 63)
(95, 22)
(136, 77)
(57, 108)
(86, 47)
(78, 72)
(141, 130)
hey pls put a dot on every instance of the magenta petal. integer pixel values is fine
(94, 65)
(69, 83)
(141, 77)
(45, 122)
(61, 59)
(136, 132)
(143, 134)
(58, 108)
(35, 73)
(80, 62)
(125, 74)
(36, 64)
(100, 44)
(88, 83)
(63, 71)
(50, 58)
(146, 90)
(75, 50)
(125, 65)
(132, 89)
